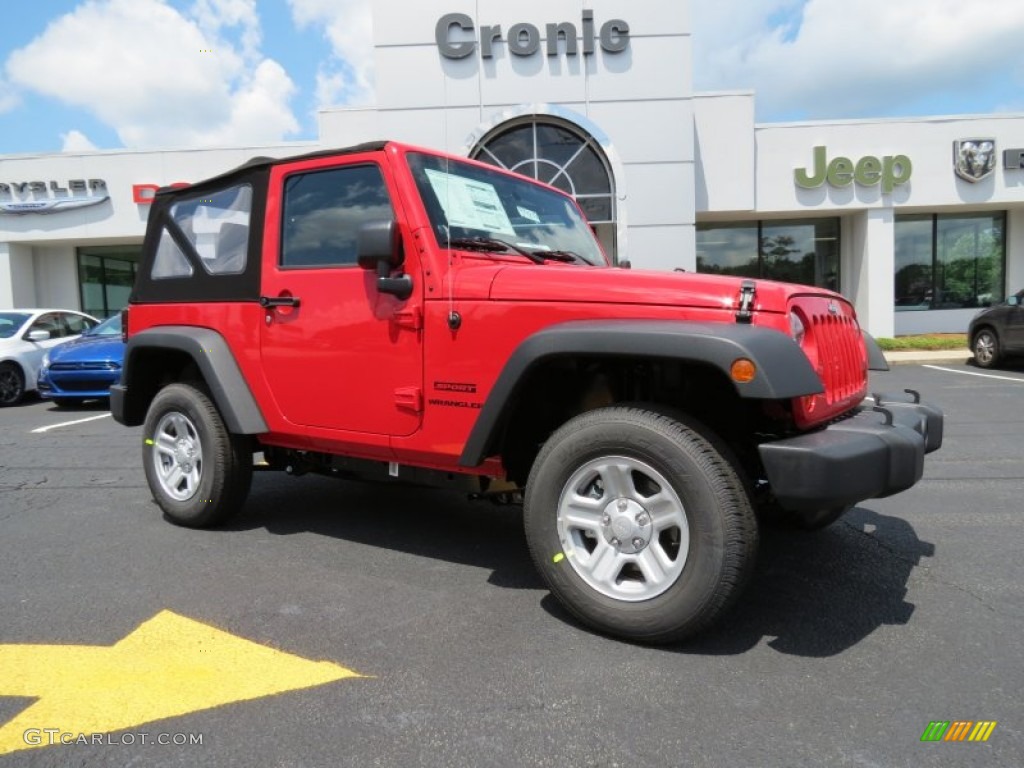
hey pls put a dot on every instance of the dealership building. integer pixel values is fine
(918, 221)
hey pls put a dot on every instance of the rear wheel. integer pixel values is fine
(198, 472)
(12, 384)
(639, 524)
(985, 346)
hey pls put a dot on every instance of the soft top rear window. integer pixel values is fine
(216, 225)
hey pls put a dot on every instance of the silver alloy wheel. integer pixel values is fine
(985, 347)
(623, 528)
(177, 456)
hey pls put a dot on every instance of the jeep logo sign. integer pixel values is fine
(889, 171)
(525, 39)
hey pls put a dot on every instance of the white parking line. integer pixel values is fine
(68, 423)
(972, 373)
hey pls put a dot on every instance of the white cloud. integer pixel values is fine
(8, 97)
(142, 68)
(840, 58)
(214, 15)
(348, 26)
(76, 141)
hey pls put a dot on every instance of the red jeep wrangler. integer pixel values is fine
(387, 311)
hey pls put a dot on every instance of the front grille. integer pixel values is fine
(840, 353)
(102, 366)
(835, 346)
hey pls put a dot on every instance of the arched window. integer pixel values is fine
(560, 154)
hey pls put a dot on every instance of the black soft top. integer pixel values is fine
(200, 285)
(260, 163)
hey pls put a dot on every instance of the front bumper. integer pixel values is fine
(878, 452)
(76, 384)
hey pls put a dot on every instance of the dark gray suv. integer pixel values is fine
(998, 331)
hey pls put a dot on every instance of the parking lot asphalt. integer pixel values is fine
(848, 643)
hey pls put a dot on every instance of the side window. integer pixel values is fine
(323, 211)
(217, 226)
(76, 323)
(49, 322)
(169, 261)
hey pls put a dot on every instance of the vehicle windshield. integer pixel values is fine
(10, 322)
(109, 327)
(467, 203)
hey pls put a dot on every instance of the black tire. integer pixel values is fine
(985, 348)
(215, 476)
(720, 535)
(12, 384)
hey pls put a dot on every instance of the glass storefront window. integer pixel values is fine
(952, 261)
(561, 155)
(913, 262)
(106, 275)
(728, 249)
(804, 251)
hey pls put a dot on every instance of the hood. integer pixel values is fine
(89, 349)
(556, 282)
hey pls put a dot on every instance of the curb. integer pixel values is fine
(917, 357)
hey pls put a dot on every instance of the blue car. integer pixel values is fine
(85, 368)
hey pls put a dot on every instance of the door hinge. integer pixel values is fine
(410, 317)
(409, 398)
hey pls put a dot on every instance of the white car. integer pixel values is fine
(25, 336)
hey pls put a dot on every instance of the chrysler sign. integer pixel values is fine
(525, 39)
(46, 204)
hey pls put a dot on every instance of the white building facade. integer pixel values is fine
(595, 97)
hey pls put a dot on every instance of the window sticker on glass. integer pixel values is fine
(469, 203)
(527, 214)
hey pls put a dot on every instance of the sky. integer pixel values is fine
(78, 75)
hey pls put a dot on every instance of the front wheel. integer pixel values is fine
(12, 384)
(639, 524)
(198, 472)
(985, 347)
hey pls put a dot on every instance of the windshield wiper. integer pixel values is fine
(493, 244)
(538, 256)
(566, 256)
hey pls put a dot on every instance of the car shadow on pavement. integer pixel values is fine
(82, 406)
(1009, 365)
(812, 593)
(819, 593)
(426, 522)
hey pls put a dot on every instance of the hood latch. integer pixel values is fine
(748, 291)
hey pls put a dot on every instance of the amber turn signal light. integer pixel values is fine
(743, 371)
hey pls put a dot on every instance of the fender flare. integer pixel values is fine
(212, 355)
(783, 370)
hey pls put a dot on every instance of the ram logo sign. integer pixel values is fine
(974, 159)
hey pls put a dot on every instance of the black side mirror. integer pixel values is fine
(379, 247)
(377, 242)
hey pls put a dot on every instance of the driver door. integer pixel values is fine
(337, 353)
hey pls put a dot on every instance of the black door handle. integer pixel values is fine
(279, 301)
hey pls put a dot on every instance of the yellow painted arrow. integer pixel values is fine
(169, 666)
